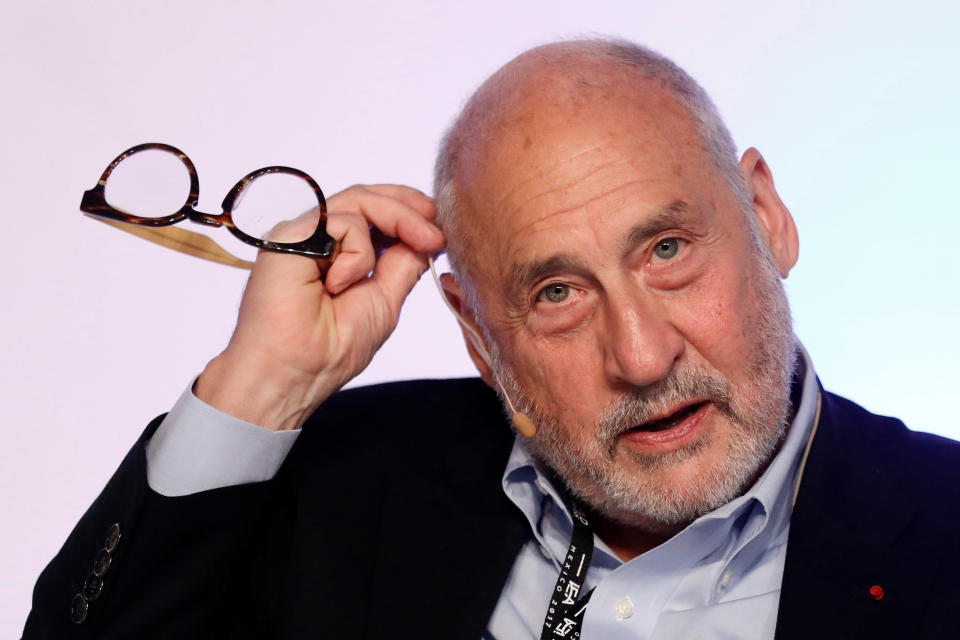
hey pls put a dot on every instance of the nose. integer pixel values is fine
(641, 345)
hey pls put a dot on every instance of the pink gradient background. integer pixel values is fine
(854, 104)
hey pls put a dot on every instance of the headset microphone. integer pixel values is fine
(524, 424)
(521, 421)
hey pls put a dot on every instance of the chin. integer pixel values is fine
(687, 484)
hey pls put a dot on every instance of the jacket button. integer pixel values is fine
(102, 562)
(113, 537)
(78, 609)
(92, 587)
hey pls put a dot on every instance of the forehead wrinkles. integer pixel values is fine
(527, 123)
(545, 186)
(588, 161)
(582, 216)
(541, 152)
(551, 168)
(582, 179)
(562, 153)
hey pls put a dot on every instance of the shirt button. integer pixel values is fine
(725, 579)
(623, 608)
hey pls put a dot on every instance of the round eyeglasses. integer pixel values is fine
(141, 192)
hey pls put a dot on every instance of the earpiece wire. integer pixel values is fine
(475, 338)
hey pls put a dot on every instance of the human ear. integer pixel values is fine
(469, 328)
(776, 224)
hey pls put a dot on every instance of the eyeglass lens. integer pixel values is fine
(154, 183)
(150, 184)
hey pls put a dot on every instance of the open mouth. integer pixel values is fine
(670, 421)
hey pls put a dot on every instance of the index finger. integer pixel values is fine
(391, 215)
(413, 198)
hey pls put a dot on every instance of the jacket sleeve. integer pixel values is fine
(141, 565)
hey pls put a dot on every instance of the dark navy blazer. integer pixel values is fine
(344, 542)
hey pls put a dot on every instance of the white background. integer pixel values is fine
(854, 104)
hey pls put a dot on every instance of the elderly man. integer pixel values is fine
(680, 472)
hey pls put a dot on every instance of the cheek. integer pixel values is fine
(712, 316)
(563, 374)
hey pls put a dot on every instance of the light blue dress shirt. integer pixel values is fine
(718, 578)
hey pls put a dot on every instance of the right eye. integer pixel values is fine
(555, 293)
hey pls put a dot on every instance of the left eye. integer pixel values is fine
(667, 248)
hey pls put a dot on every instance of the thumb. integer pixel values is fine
(285, 268)
(397, 271)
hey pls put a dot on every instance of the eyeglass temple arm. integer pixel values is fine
(189, 242)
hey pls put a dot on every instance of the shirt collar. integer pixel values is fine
(527, 484)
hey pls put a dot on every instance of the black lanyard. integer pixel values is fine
(567, 606)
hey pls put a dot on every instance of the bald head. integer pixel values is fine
(555, 88)
(597, 218)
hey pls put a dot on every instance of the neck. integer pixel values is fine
(629, 541)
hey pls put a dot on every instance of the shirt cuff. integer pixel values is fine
(197, 448)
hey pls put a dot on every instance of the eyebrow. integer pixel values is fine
(525, 274)
(669, 217)
(521, 276)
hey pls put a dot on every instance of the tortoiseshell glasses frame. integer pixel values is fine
(319, 245)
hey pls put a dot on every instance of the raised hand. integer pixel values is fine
(298, 339)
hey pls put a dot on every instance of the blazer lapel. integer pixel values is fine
(841, 579)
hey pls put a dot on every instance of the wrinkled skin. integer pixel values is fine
(617, 258)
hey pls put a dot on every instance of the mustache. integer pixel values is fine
(642, 404)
